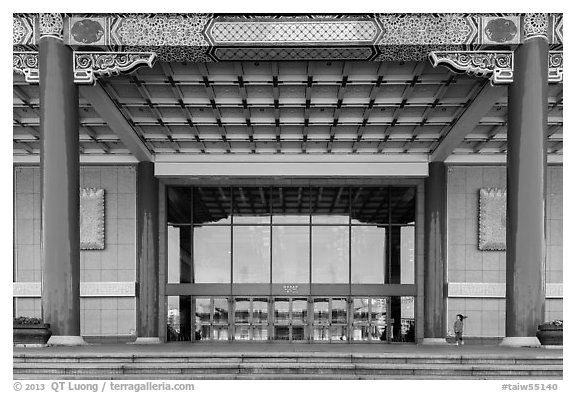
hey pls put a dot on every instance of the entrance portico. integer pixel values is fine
(358, 100)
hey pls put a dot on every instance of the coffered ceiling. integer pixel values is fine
(287, 107)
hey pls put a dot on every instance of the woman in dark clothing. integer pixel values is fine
(459, 328)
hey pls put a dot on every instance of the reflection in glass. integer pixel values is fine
(281, 332)
(260, 332)
(368, 254)
(361, 311)
(407, 255)
(179, 261)
(330, 254)
(403, 202)
(401, 255)
(321, 310)
(338, 333)
(251, 205)
(378, 318)
(211, 205)
(251, 254)
(242, 310)
(299, 311)
(178, 209)
(179, 318)
(203, 310)
(260, 310)
(339, 310)
(321, 333)
(361, 330)
(212, 254)
(298, 333)
(370, 205)
(242, 332)
(290, 205)
(402, 310)
(329, 205)
(220, 332)
(290, 254)
(282, 310)
(220, 310)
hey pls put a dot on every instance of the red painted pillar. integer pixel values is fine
(435, 229)
(526, 193)
(147, 254)
(60, 182)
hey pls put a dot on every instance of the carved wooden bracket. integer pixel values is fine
(88, 66)
(496, 65)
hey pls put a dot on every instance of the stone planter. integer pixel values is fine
(550, 334)
(36, 334)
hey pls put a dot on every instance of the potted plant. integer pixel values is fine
(30, 331)
(551, 333)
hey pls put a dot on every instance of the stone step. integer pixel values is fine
(290, 358)
(340, 376)
(186, 370)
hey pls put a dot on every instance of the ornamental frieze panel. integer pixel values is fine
(51, 25)
(293, 32)
(88, 31)
(427, 29)
(306, 53)
(500, 30)
(535, 26)
(558, 30)
(22, 31)
(209, 37)
(160, 30)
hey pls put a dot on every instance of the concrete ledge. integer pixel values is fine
(531, 342)
(435, 341)
(147, 340)
(69, 341)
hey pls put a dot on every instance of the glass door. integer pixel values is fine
(339, 319)
(299, 319)
(290, 319)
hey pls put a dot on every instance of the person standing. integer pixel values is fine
(459, 328)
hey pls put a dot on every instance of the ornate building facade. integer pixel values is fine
(313, 178)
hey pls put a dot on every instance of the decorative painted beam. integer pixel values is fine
(244, 37)
(498, 66)
(480, 105)
(104, 106)
(88, 66)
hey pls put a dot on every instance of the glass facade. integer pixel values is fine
(270, 252)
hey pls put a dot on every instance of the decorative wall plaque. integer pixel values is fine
(492, 219)
(91, 219)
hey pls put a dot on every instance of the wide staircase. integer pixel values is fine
(287, 365)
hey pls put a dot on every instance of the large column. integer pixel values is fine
(60, 183)
(147, 254)
(526, 190)
(435, 254)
